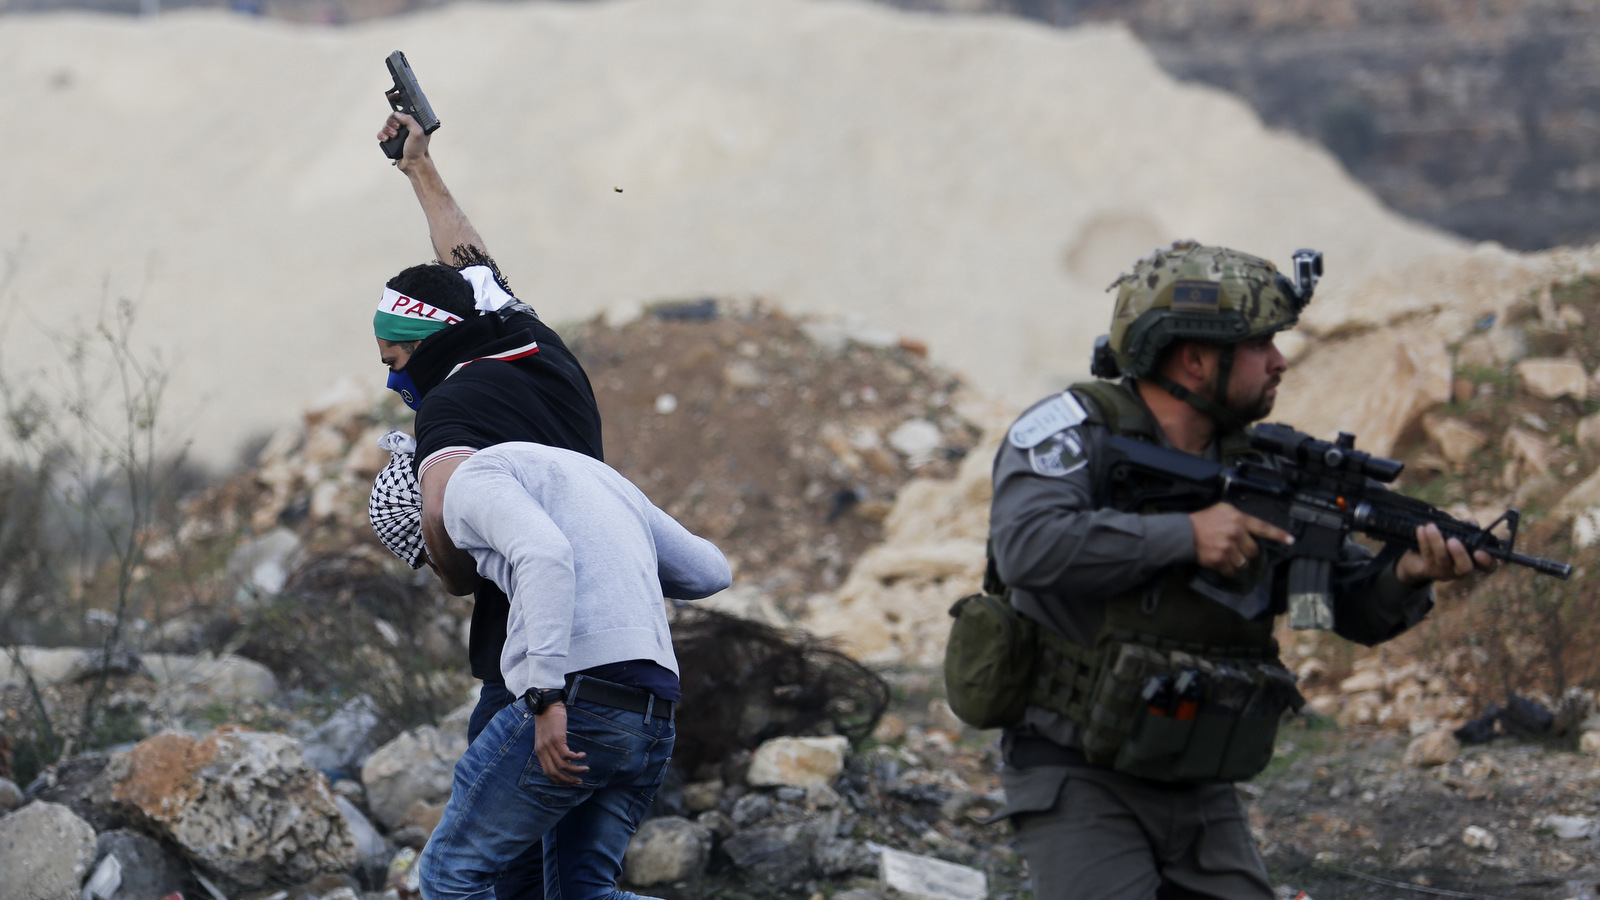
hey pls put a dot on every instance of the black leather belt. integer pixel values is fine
(621, 696)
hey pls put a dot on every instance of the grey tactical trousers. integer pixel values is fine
(1093, 834)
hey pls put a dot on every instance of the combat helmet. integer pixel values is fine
(1193, 292)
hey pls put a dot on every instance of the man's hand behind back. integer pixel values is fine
(560, 764)
(1225, 538)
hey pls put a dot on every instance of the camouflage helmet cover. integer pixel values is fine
(1192, 292)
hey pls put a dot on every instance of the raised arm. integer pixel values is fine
(448, 226)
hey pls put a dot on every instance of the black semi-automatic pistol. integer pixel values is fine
(406, 97)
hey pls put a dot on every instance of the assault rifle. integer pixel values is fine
(1317, 491)
(406, 96)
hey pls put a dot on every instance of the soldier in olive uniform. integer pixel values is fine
(1193, 336)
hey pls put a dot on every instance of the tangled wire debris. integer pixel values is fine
(745, 682)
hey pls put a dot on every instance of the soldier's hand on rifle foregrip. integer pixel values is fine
(1437, 559)
(1225, 538)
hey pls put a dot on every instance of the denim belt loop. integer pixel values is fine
(649, 706)
(572, 690)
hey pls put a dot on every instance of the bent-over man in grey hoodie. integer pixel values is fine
(587, 559)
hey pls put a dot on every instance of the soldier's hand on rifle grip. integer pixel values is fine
(1225, 538)
(416, 146)
(1437, 559)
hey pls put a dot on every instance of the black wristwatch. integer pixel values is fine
(539, 701)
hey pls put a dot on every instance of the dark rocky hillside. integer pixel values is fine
(1482, 118)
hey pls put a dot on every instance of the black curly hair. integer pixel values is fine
(438, 285)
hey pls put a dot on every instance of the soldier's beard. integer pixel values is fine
(1254, 409)
(1246, 409)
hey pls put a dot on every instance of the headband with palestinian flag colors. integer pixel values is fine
(401, 318)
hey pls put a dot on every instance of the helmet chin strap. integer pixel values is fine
(1217, 411)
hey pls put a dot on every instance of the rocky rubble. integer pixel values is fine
(883, 530)
(244, 811)
(243, 806)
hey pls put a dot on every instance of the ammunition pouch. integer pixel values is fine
(1162, 714)
(997, 662)
(1172, 716)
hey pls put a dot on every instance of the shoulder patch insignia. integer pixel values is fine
(1056, 414)
(1058, 455)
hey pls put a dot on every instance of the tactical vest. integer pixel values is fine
(1176, 687)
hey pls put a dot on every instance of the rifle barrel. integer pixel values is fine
(1540, 564)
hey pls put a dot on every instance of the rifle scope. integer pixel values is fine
(1315, 455)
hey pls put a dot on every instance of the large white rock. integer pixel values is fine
(665, 850)
(1589, 742)
(1554, 378)
(244, 805)
(204, 679)
(798, 761)
(1530, 451)
(45, 853)
(262, 564)
(1457, 441)
(1436, 748)
(46, 665)
(1588, 431)
(1585, 495)
(416, 766)
(1375, 385)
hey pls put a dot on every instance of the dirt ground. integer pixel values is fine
(1338, 815)
(774, 444)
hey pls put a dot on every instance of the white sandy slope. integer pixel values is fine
(974, 183)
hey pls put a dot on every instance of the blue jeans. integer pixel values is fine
(501, 804)
(524, 878)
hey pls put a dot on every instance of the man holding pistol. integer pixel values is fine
(1151, 811)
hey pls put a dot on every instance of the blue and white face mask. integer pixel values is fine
(400, 382)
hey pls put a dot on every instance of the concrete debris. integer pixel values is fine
(1569, 828)
(930, 878)
(106, 880)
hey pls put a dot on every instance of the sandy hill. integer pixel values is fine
(972, 183)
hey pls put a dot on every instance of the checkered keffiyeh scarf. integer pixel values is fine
(395, 505)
